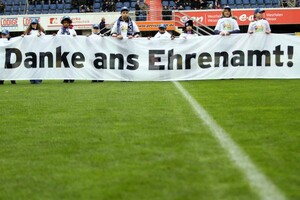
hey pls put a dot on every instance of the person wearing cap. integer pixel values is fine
(259, 24)
(188, 31)
(5, 35)
(125, 27)
(227, 24)
(34, 29)
(162, 32)
(96, 30)
(67, 29)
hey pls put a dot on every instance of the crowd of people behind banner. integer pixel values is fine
(125, 27)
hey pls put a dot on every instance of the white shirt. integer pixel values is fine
(123, 29)
(68, 30)
(35, 33)
(227, 24)
(188, 35)
(258, 26)
(166, 34)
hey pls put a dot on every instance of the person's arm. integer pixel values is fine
(251, 28)
(136, 30)
(236, 28)
(218, 28)
(114, 31)
(268, 29)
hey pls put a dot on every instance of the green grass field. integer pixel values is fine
(143, 140)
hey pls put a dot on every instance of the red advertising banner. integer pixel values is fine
(244, 16)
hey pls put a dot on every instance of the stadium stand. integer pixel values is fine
(16, 7)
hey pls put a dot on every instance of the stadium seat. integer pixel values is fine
(172, 3)
(127, 4)
(239, 3)
(187, 8)
(275, 3)
(253, 3)
(38, 8)
(165, 3)
(231, 3)
(260, 3)
(224, 3)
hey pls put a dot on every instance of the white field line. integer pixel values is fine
(256, 179)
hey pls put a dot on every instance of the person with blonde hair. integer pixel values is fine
(259, 24)
(227, 24)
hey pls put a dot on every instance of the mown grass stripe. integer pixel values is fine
(257, 180)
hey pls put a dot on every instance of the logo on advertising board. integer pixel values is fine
(10, 23)
(54, 20)
(27, 20)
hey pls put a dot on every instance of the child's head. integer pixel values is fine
(189, 25)
(95, 28)
(125, 13)
(34, 23)
(5, 33)
(66, 21)
(258, 13)
(226, 12)
(162, 28)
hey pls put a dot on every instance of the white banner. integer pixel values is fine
(106, 58)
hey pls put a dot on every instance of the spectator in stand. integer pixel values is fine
(195, 4)
(5, 35)
(112, 6)
(103, 29)
(81, 9)
(181, 7)
(203, 4)
(259, 24)
(67, 29)
(226, 25)
(34, 29)
(188, 32)
(137, 10)
(105, 6)
(89, 8)
(125, 27)
(166, 13)
(2, 7)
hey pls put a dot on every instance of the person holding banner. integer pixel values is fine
(35, 29)
(96, 30)
(259, 24)
(5, 35)
(125, 27)
(227, 24)
(163, 33)
(67, 29)
(188, 32)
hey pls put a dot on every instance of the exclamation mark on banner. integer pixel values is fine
(290, 51)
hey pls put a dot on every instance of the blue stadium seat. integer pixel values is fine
(239, 3)
(231, 3)
(127, 4)
(46, 8)
(97, 6)
(187, 8)
(165, 3)
(172, 3)
(260, 3)
(224, 3)
(119, 5)
(253, 3)
(275, 3)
